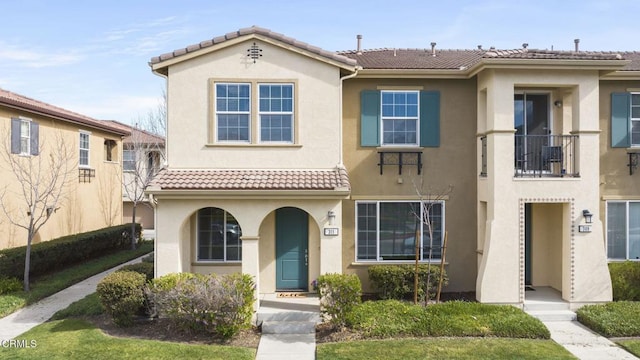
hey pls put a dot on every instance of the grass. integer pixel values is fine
(443, 348)
(392, 318)
(632, 346)
(615, 319)
(88, 306)
(51, 284)
(78, 339)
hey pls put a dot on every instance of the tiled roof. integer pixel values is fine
(463, 59)
(252, 180)
(634, 56)
(257, 31)
(137, 135)
(24, 103)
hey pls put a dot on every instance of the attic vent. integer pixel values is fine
(254, 52)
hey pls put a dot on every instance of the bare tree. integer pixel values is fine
(109, 205)
(424, 218)
(42, 182)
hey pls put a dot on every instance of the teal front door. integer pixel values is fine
(292, 249)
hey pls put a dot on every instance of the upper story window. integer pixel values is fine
(24, 136)
(233, 112)
(129, 160)
(635, 119)
(84, 149)
(110, 147)
(400, 119)
(276, 112)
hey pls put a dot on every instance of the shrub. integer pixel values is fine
(60, 253)
(148, 258)
(122, 295)
(616, 319)
(222, 305)
(339, 294)
(144, 268)
(625, 280)
(397, 281)
(8, 285)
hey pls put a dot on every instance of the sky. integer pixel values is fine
(92, 56)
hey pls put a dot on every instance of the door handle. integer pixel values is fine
(306, 257)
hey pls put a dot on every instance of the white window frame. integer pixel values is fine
(416, 118)
(633, 119)
(26, 121)
(626, 202)
(224, 260)
(226, 112)
(378, 257)
(125, 161)
(290, 113)
(87, 149)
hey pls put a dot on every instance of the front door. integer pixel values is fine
(532, 124)
(292, 249)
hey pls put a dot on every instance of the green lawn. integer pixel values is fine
(51, 284)
(632, 346)
(77, 339)
(444, 348)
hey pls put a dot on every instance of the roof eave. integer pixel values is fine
(557, 64)
(622, 75)
(62, 117)
(414, 73)
(159, 193)
(161, 67)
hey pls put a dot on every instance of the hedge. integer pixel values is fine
(625, 280)
(397, 281)
(60, 253)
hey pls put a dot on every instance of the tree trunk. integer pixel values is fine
(133, 228)
(27, 262)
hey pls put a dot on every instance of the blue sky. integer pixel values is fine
(91, 56)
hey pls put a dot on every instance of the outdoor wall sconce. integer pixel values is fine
(331, 215)
(587, 216)
(558, 103)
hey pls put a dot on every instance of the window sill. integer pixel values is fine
(265, 145)
(111, 162)
(396, 148)
(395, 262)
(216, 263)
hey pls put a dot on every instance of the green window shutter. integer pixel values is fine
(370, 118)
(620, 120)
(35, 138)
(15, 136)
(430, 118)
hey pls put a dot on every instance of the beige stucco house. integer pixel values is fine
(32, 129)
(286, 161)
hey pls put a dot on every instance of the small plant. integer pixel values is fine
(122, 295)
(615, 319)
(144, 268)
(339, 294)
(9, 285)
(396, 281)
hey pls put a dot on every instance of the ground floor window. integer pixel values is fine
(388, 230)
(218, 236)
(623, 230)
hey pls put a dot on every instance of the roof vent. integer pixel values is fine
(359, 49)
(433, 49)
(524, 46)
(394, 52)
(479, 47)
(577, 42)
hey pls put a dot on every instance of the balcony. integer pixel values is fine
(546, 156)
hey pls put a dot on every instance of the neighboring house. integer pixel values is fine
(94, 198)
(142, 158)
(286, 161)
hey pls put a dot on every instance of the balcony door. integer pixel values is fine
(532, 121)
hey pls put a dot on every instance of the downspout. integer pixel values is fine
(340, 145)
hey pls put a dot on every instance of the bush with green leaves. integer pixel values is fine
(122, 295)
(615, 319)
(339, 294)
(61, 253)
(625, 280)
(397, 281)
(219, 304)
(9, 285)
(144, 268)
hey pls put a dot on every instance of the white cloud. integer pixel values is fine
(37, 58)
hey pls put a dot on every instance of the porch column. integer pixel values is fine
(250, 263)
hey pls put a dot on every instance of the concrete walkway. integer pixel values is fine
(584, 343)
(33, 315)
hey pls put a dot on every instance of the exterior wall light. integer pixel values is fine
(331, 215)
(588, 216)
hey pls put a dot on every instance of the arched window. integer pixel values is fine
(218, 236)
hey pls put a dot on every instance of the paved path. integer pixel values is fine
(584, 343)
(287, 347)
(33, 315)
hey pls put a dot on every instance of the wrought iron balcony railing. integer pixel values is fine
(546, 156)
